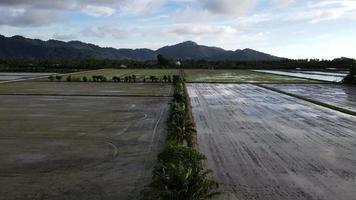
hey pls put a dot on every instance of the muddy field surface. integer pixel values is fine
(342, 96)
(263, 145)
(75, 147)
(86, 89)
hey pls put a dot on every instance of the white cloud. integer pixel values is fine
(192, 15)
(282, 3)
(141, 6)
(229, 7)
(324, 11)
(98, 11)
(103, 31)
(26, 18)
(200, 30)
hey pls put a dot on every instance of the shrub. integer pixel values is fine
(51, 78)
(350, 78)
(58, 78)
(85, 79)
(180, 176)
(69, 79)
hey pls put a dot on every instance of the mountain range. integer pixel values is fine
(20, 47)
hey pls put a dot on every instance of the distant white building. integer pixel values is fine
(123, 66)
(178, 63)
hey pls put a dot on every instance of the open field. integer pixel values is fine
(263, 145)
(79, 147)
(238, 76)
(314, 75)
(80, 88)
(343, 96)
(7, 76)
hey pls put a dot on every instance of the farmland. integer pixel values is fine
(238, 76)
(79, 140)
(6, 76)
(342, 96)
(264, 145)
(65, 139)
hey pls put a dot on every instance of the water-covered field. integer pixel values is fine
(7, 76)
(342, 96)
(315, 75)
(79, 140)
(263, 145)
(237, 76)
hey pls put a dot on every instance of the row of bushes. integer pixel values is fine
(126, 79)
(351, 77)
(179, 173)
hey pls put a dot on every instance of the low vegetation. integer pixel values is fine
(117, 79)
(179, 174)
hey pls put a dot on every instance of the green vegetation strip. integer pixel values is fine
(179, 172)
(310, 100)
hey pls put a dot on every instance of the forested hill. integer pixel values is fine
(20, 47)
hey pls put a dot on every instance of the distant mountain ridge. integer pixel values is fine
(21, 47)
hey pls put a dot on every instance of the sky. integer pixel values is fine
(323, 29)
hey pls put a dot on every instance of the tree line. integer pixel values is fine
(70, 65)
(101, 78)
(179, 173)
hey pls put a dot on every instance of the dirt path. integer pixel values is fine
(267, 146)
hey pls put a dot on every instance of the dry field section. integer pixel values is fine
(264, 145)
(78, 141)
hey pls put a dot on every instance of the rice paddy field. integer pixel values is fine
(238, 76)
(90, 140)
(79, 140)
(8, 76)
(343, 96)
(263, 145)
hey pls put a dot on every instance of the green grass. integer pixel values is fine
(238, 76)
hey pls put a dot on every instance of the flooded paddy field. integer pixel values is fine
(342, 96)
(86, 89)
(263, 145)
(314, 75)
(238, 76)
(7, 76)
(79, 147)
